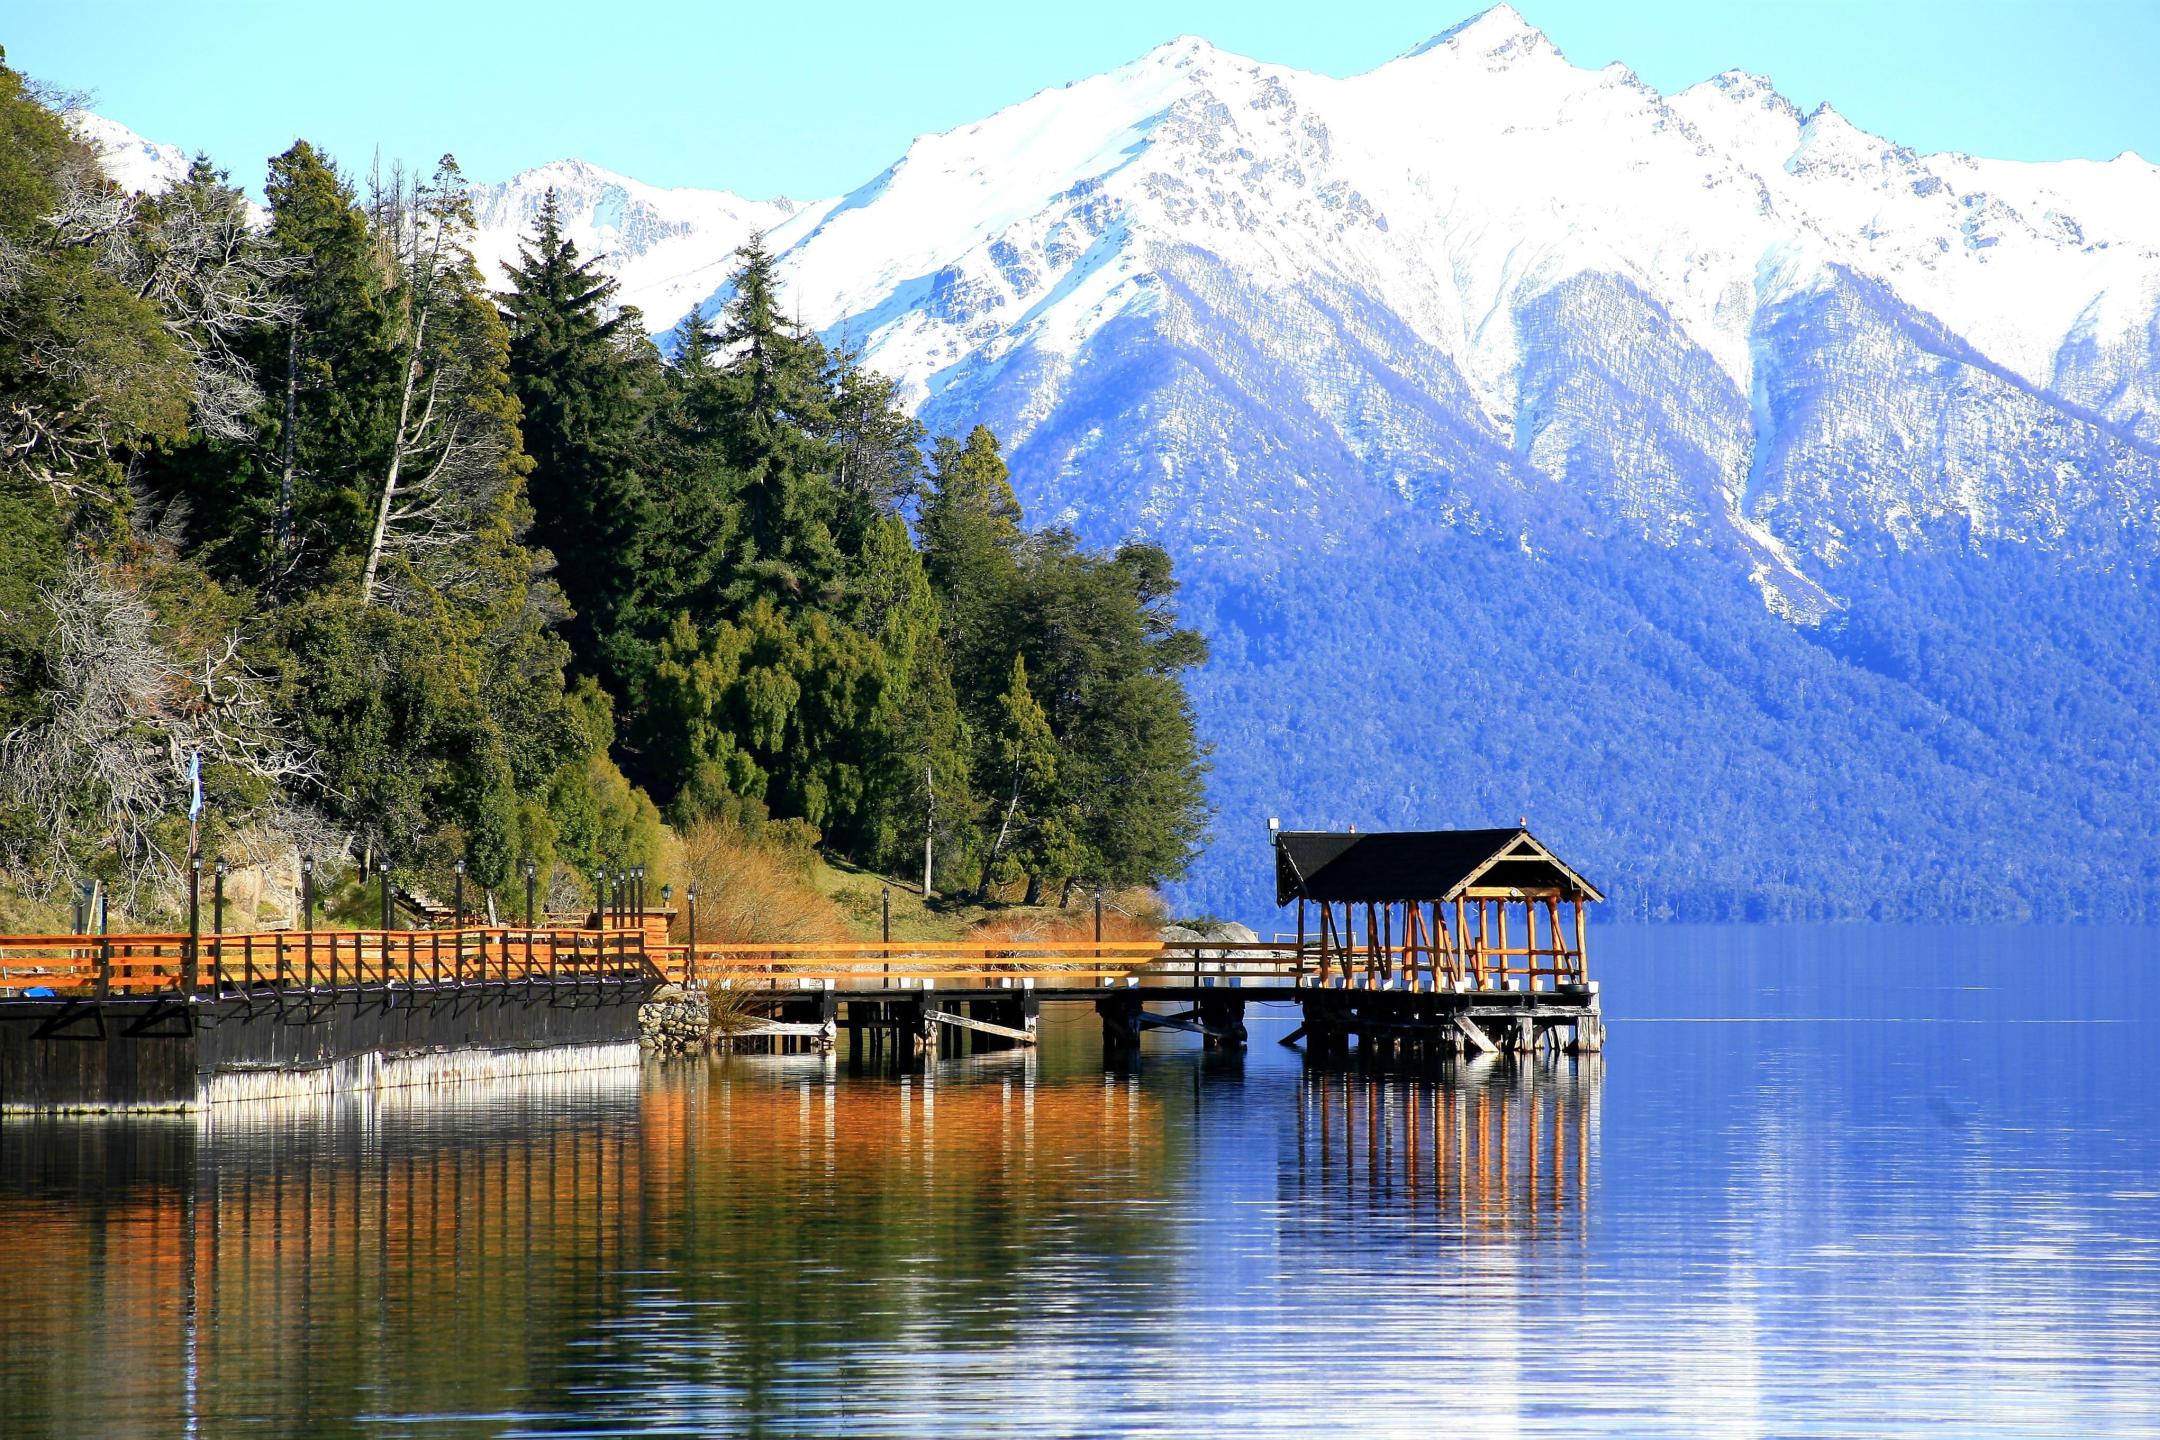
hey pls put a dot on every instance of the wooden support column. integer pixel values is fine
(1500, 909)
(1564, 970)
(1301, 938)
(1530, 946)
(1582, 949)
(1443, 946)
(1462, 941)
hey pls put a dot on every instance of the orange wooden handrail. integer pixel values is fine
(294, 959)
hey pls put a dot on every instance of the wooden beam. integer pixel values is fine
(1478, 1039)
(969, 1022)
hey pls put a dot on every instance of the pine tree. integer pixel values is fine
(1026, 766)
(773, 410)
(572, 362)
(971, 538)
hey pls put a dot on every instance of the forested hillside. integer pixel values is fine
(405, 567)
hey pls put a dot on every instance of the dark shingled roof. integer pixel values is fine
(1386, 866)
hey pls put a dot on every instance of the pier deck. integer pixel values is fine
(169, 1020)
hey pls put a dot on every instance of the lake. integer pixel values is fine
(1824, 1181)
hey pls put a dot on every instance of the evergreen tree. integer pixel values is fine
(358, 471)
(773, 414)
(572, 367)
(1024, 760)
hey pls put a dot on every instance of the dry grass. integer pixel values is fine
(1060, 927)
(752, 893)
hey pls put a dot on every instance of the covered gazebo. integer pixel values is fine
(1476, 909)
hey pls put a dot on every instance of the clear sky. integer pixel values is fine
(809, 99)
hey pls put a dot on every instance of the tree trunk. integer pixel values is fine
(292, 421)
(397, 461)
(1004, 829)
(1065, 895)
(1034, 890)
(929, 834)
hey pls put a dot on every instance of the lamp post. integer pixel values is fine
(382, 875)
(457, 923)
(691, 967)
(532, 872)
(217, 927)
(307, 921)
(194, 921)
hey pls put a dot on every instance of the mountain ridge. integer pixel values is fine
(1480, 345)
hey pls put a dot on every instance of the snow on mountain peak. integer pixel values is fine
(667, 248)
(1499, 34)
(136, 165)
(1478, 259)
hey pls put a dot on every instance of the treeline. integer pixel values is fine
(407, 566)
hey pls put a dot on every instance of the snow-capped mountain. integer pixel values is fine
(136, 165)
(668, 249)
(1767, 510)
(1240, 304)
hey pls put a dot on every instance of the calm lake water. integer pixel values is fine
(1849, 1181)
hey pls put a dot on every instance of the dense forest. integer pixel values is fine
(401, 565)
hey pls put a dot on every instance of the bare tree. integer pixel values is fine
(215, 279)
(448, 455)
(110, 756)
(207, 278)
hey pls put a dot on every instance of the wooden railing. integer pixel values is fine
(907, 964)
(1262, 962)
(75, 966)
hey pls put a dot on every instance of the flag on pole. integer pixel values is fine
(194, 808)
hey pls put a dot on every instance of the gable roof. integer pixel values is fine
(1385, 866)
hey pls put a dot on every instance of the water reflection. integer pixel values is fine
(1779, 1226)
(1493, 1148)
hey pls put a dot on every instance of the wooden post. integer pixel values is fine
(1489, 938)
(1500, 908)
(1529, 921)
(1582, 948)
(307, 916)
(1559, 941)
(1300, 969)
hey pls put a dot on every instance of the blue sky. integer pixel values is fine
(810, 99)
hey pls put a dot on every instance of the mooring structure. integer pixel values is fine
(1421, 943)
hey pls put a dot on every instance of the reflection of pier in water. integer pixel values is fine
(1492, 1148)
(280, 1261)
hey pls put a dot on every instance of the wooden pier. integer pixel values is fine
(1411, 956)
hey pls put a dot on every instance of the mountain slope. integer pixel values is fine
(1765, 509)
(136, 165)
(669, 249)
